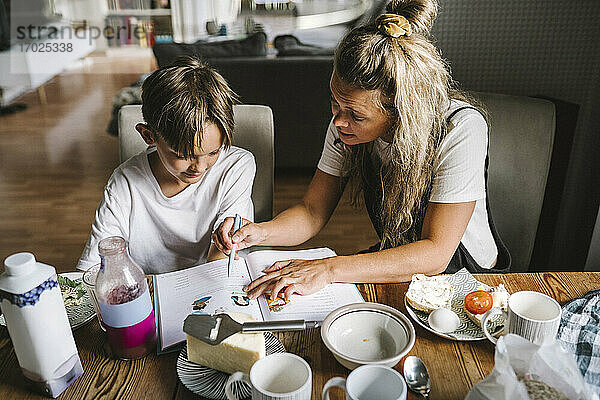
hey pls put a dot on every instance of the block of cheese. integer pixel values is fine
(236, 353)
(428, 293)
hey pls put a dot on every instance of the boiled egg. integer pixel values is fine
(444, 320)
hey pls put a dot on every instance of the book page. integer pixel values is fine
(204, 289)
(314, 307)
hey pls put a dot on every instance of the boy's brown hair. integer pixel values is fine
(180, 99)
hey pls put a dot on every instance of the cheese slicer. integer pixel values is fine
(213, 329)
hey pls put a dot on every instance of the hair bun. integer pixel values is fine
(393, 25)
(420, 13)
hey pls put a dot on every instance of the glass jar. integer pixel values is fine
(124, 301)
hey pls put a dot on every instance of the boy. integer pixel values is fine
(167, 200)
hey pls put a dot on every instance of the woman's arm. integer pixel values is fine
(443, 228)
(301, 222)
(292, 226)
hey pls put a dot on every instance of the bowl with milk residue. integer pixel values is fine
(367, 333)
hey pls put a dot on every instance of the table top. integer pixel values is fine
(454, 366)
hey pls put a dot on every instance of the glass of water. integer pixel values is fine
(89, 281)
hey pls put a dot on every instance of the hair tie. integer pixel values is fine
(393, 25)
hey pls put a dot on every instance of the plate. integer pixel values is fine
(79, 314)
(210, 383)
(463, 283)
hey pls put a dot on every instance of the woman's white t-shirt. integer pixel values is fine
(458, 177)
(167, 234)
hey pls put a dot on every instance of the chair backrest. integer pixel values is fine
(521, 138)
(253, 132)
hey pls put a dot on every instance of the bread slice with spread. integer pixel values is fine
(428, 293)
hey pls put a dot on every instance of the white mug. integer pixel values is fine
(369, 382)
(531, 315)
(279, 376)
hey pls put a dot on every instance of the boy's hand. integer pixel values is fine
(249, 234)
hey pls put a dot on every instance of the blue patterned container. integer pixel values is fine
(38, 325)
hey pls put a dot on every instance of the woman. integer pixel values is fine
(415, 151)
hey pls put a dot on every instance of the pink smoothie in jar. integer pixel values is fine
(131, 341)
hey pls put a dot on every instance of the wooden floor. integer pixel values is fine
(55, 159)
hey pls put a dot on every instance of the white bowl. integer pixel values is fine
(367, 333)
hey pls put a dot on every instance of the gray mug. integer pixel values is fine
(531, 315)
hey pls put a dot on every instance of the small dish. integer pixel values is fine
(367, 333)
(463, 283)
(210, 383)
(443, 320)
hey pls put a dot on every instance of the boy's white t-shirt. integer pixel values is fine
(458, 177)
(166, 234)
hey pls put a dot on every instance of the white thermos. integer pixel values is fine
(38, 325)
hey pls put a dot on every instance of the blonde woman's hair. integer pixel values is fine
(414, 87)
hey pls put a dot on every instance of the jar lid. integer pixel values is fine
(23, 273)
(20, 264)
(111, 245)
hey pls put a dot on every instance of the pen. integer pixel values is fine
(236, 226)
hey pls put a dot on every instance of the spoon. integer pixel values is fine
(416, 376)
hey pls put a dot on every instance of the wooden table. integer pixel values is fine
(454, 366)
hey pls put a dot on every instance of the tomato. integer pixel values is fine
(478, 302)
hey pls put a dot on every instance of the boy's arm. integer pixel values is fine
(237, 191)
(109, 220)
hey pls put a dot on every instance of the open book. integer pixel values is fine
(207, 289)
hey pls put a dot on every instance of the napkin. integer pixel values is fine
(579, 333)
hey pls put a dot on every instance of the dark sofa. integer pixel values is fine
(297, 90)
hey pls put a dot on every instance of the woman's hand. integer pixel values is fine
(249, 234)
(293, 276)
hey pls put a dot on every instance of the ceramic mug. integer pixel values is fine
(531, 315)
(279, 376)
(369, 382)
